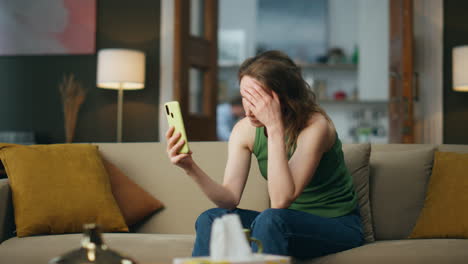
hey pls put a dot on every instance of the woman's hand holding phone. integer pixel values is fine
(174, 146)
(174, 118)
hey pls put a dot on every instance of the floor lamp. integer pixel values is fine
(460, 68)
(120, 69)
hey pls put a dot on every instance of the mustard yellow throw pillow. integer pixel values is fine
(58, 188)
(444, 214)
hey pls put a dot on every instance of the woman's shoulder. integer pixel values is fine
(243, 133)
(319, 127)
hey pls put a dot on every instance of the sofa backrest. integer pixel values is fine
(398, 179)
(148, 165)
(399, 175)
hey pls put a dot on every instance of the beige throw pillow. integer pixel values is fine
(398, 184)
(134, 202)
(357, 160)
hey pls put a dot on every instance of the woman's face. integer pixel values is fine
(248, 82)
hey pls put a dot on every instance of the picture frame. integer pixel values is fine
(43, 27)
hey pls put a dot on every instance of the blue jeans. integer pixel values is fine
(287, 232)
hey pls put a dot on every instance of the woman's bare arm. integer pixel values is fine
(228, 194)
(287, 179)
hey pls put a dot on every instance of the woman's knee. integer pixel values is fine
(206, 218)
(271, 220)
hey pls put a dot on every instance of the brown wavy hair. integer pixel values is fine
(277, 72)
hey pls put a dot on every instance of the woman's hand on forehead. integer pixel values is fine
(260, 87)
(254, 84)
(264, 105)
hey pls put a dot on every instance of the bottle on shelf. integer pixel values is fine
(355, 56)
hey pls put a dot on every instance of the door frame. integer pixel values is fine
(182, 51)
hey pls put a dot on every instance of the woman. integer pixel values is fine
(314, 208)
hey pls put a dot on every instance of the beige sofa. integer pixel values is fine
(397, 182)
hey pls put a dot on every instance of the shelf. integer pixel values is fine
(324, 66)
(316, 66)
(229, 65)
(352, 102)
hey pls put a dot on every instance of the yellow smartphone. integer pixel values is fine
(174, 118)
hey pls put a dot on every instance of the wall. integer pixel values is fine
(373, 24)
(29, 97)
(342, 23)
(236, 15)
(455, 103)
(428, 48)
(240, 14)
(166, 76)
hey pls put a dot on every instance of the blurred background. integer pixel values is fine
(381, 69)
(343, 57)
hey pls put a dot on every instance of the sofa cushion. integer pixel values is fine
(398, 183)
(453, 148)
(134, 202)
(357, 160)
(444, 214)
(426, 251)
(48, 183)
(7, 221)
(144, 248)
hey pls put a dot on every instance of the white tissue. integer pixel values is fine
(228, 241)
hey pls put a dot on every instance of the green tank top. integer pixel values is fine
(330, 193)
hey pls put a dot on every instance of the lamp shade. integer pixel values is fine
(460, 68)
(121, 68)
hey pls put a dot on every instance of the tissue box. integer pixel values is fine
(257, 259)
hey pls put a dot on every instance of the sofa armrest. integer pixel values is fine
(7, 222)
